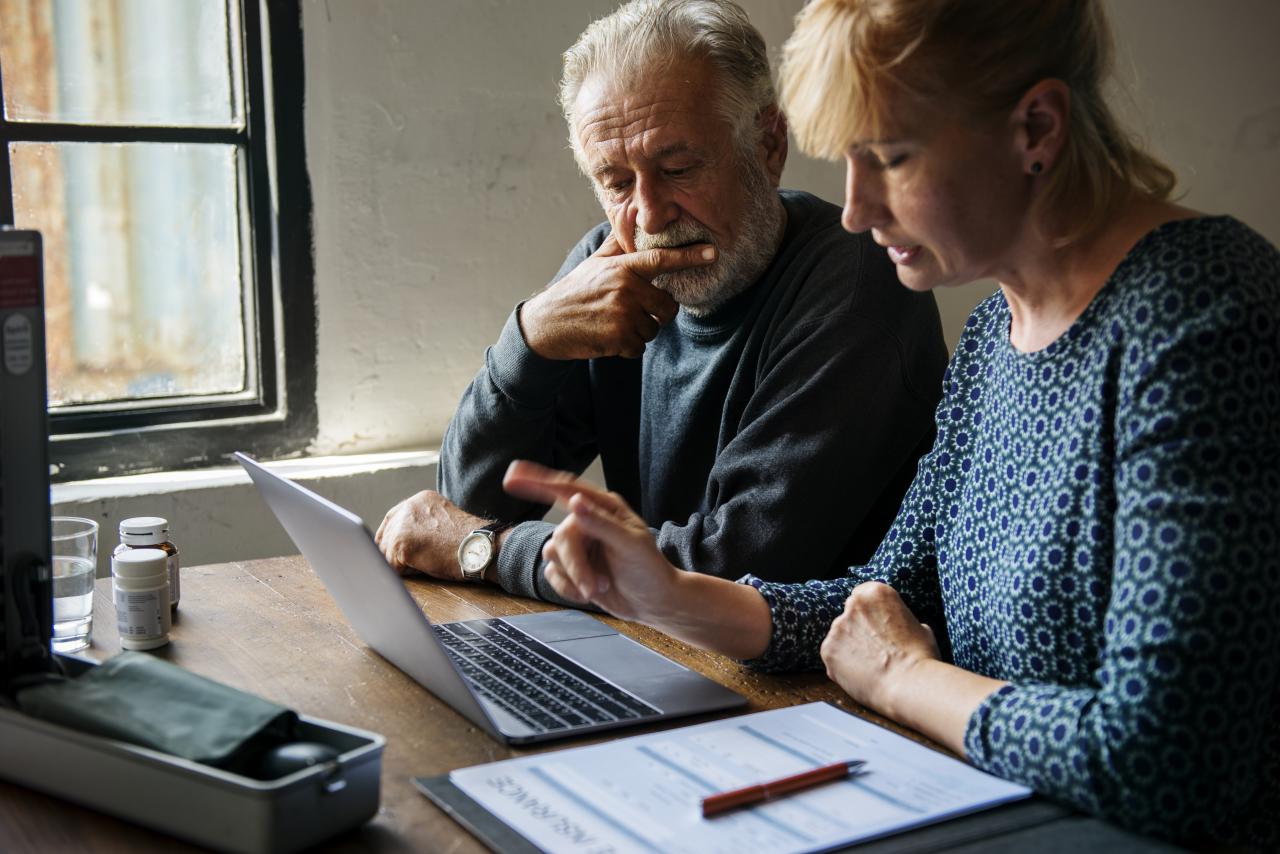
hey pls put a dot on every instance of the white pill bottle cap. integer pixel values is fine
(140, 569)
(144, 530)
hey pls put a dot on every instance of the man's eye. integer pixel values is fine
(677, 173)
(617, 186)
(896, 160)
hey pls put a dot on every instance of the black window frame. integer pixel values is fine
(281, 420)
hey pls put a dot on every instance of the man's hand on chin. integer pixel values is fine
(607, 305)
(422, 534)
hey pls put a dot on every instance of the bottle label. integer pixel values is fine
(141, 614)
(173, 579)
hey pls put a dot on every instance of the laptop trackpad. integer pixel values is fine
(595, 646)
(554, 626)
(617, 658)
(631, 666)
(653, 678)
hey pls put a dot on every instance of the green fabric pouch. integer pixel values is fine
(144, 700)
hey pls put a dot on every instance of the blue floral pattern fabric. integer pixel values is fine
(1098, 524)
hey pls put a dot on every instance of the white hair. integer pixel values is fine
(644, 37)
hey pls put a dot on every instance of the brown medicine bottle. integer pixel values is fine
(152, 532)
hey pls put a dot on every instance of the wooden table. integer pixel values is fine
(270, 627)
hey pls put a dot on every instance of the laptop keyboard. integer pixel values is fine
(531, 681)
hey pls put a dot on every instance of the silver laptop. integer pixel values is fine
(532, 677)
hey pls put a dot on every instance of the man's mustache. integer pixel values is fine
(679, 234)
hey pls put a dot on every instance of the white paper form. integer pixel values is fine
(644, 793)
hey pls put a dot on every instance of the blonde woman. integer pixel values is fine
(1080, 591)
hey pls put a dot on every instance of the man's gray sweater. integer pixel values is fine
(775, 436)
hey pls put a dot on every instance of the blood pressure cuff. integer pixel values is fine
(146, 701)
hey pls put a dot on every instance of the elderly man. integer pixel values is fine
(753, 378)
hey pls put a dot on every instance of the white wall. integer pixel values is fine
(1204, 82)
(444, 192)
(1199, 82)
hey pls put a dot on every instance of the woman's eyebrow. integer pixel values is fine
(863, 144)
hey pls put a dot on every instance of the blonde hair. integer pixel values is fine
(850, 62)
(645, 37)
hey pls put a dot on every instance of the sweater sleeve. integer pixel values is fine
(906, 560)
(519, 406)
(1171, 734)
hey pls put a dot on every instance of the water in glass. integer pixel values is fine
(72, 603)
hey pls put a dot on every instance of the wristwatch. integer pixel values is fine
(479, 550)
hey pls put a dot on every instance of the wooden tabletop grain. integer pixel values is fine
(270, 627)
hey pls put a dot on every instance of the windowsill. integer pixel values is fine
(217, 516)
(307, 468)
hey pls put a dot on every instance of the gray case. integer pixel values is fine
(198, 802)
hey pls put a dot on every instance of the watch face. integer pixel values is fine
(475, 553)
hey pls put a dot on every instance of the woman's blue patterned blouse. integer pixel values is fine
(1098, 524)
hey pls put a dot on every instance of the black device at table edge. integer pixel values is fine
(106, 774)
(26, 615)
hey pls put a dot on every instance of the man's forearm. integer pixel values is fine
(491, 427)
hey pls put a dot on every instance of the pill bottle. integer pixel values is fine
(152, 532)
(140, 584)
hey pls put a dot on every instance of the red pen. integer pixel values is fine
(748, 795)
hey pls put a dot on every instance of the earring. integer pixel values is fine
(1036, 168)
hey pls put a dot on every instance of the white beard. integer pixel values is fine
(701, 290)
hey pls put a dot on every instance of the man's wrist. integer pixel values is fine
(518, 371)
(521, 319)
(499, 540)
(526, 312)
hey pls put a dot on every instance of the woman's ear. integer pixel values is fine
(1040, 125)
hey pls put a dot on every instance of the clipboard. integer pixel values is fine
(1034, 824)
(917, 800)
(477, 820)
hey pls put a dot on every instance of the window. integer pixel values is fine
(157, 145)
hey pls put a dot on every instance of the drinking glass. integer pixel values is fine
(75, 561)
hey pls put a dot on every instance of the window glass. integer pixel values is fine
(120, 62)
(136, 135)
(144, 290)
